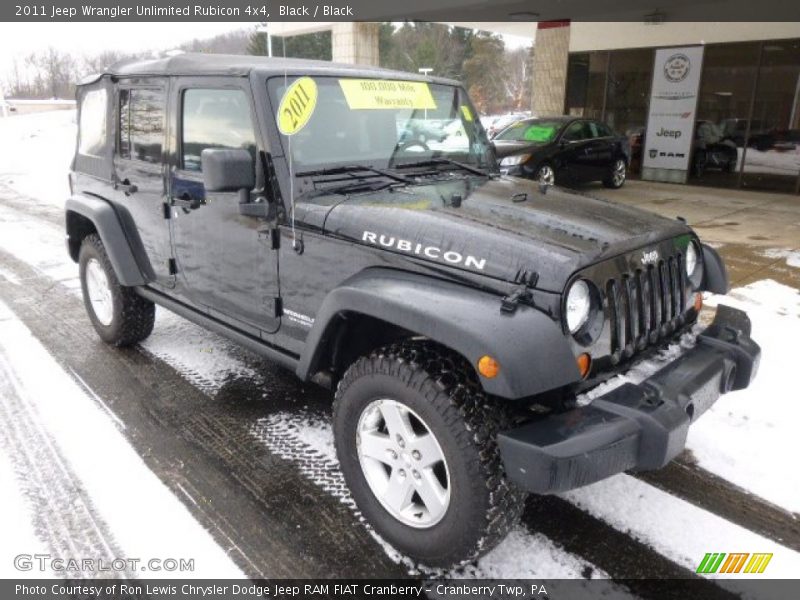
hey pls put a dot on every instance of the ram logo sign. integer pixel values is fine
(737, 562)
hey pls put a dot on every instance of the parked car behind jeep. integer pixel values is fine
(456, 314)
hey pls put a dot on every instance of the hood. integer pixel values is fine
(505, 148)
(552, 234)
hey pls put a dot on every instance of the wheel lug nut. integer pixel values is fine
(416, 454)
(402, 473)
(401, 442)
(416, 474)
(393, 454)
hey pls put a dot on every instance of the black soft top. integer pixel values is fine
(235, 65)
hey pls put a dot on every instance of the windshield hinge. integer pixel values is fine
(522, 293)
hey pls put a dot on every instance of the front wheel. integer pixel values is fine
(545, 175)
(416, 439)
(119, 315)
(616, 178)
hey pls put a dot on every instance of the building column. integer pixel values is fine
(355, 43)
(551, 52)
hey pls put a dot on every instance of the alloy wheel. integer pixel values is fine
(403, 463)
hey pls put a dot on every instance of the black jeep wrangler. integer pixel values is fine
(456, 313)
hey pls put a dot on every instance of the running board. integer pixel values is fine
(254, 344)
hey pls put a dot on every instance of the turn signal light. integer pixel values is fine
(488, 367)
(584, 364)
(698, 301)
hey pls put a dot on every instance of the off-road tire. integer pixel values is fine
(443, 389)
(133, 316)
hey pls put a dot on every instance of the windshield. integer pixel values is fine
(530, 131)
(379, 123)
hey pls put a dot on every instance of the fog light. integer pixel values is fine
(488, 367)
(584, 364)
(698, 301)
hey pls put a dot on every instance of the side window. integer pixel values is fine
(141, 124)
(599, 129)
(214, 119)
(574, 132)
(92, 126)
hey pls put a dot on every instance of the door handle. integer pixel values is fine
(186, 200)
(127, 187)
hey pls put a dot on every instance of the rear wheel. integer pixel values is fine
(416, 439)
(616, 178)
(119, 315)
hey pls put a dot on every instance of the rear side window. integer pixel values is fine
(92, 126)
(576, 131)
(214, 119)
(600, 129)
(141, 124)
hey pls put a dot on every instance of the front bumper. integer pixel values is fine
(635, 426)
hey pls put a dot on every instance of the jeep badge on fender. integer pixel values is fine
(351, 224)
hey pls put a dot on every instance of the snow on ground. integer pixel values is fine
(15, 523)
(39, 244)
(36, 152)
(792, 256)
(679, 530)
(748, 437)
(150, 523)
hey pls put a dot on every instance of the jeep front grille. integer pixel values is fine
(646, 305)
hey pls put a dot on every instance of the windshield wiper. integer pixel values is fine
(445, 161)
(350, 169)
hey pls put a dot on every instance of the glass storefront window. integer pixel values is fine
(747, 130)
(628, 97)
(586, 84)
(723, 109)
(772, 156)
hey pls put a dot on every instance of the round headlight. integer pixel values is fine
(691, 259)
(578, 306)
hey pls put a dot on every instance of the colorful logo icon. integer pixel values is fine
(737, 562)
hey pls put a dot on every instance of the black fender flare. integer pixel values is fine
(530, 346)
(715, 275)
(122, 244)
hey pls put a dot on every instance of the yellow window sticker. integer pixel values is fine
(467, 113)
(381, 93)
(297, 106)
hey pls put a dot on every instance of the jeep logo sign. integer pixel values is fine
(650, 258)
(432, 252)
(671, 119)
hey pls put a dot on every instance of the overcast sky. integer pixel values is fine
(17, 40)
(86, 39)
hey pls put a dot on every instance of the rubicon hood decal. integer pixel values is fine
(433, 252)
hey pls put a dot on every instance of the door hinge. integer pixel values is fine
(172, 265)
(277, 303)
(275, 238)
(167, 210)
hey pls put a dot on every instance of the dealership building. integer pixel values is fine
(709, 103)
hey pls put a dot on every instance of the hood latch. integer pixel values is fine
(522, 293)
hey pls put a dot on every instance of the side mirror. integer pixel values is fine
(227, 170)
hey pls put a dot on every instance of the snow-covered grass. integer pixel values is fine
(146, 519)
